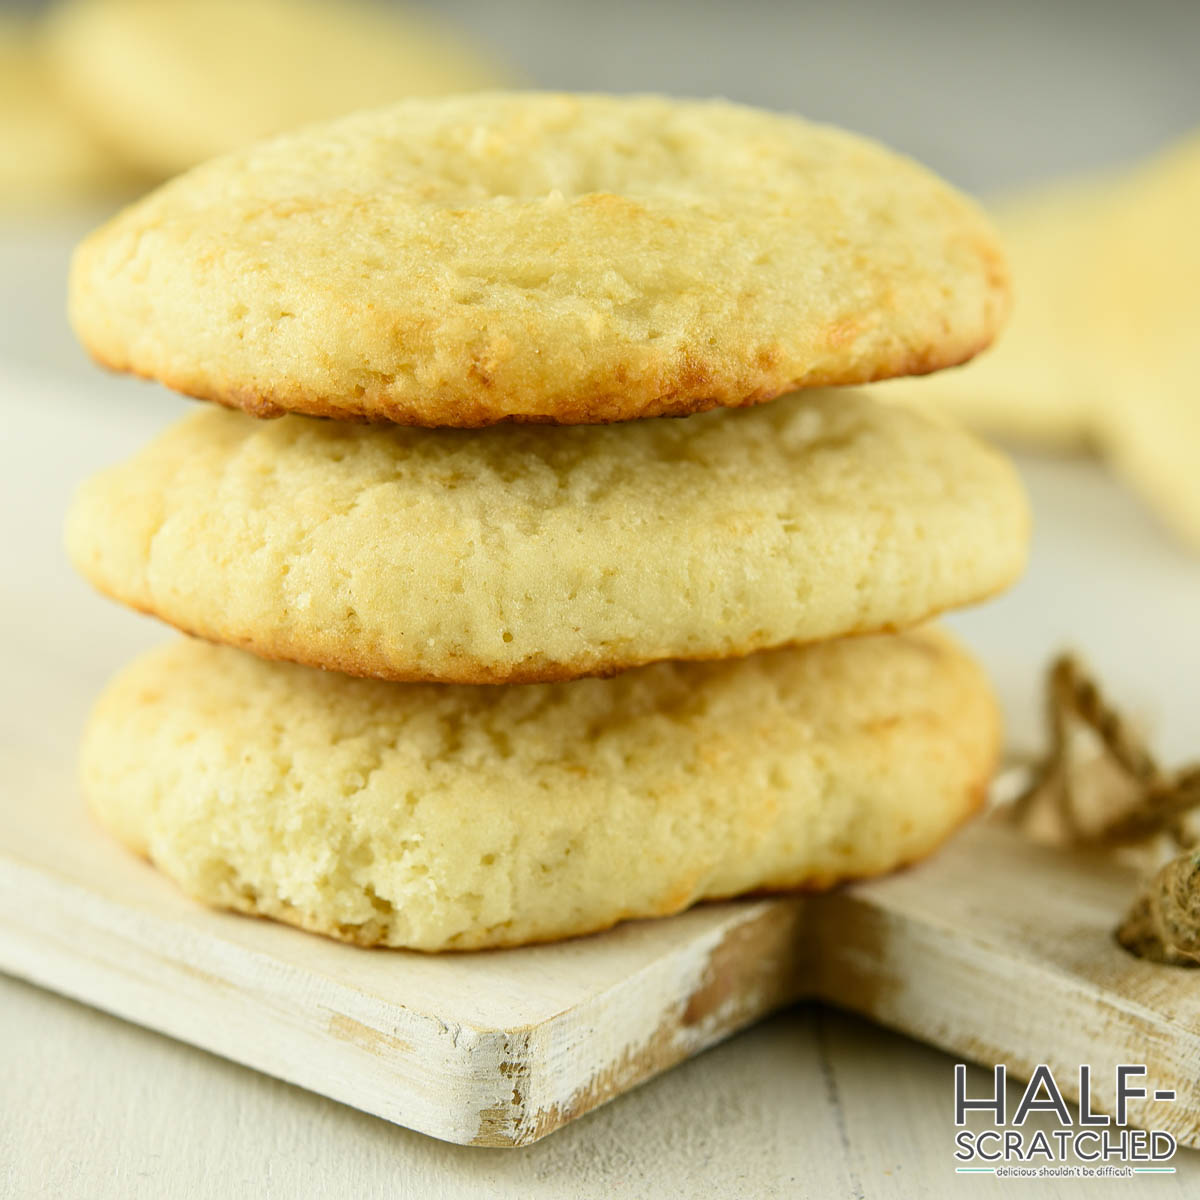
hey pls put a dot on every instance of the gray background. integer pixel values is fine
(990, 94)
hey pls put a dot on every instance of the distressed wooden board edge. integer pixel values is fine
(235, 1003)
(996, 999)
(494, 1087)
(752, 965)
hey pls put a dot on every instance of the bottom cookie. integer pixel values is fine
(455, 817)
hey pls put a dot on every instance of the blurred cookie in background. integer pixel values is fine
(1103, 350)
(47, 158)
(1148, 425)
(169, 83)
(1039, 384)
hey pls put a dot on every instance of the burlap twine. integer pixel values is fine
(1099, 785)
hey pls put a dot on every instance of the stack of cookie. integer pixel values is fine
(398, 728)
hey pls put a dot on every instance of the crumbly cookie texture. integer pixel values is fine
(540, 257)
(450, 818)
(528, 553)
(168, 85)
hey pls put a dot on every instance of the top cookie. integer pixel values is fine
(540, 257)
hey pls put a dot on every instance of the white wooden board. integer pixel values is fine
(994, 949)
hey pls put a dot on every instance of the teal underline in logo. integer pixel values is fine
(1136, 1170)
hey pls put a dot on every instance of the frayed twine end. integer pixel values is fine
(1100, 786)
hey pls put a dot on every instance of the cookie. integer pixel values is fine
(453, 818)
(522, 553)
(169, 85)
(1149, 425)
(47, 158)
(1044, 380)
(540, 257)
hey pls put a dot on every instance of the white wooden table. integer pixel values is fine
(811, 1103)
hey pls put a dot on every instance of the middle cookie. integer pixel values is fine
(523, 553)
